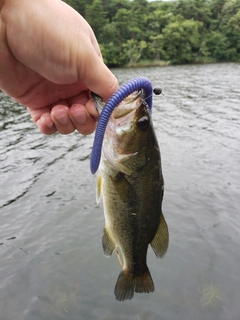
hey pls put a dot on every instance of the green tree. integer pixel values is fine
(137, 22)
(155, 46)
(112, 6)
(233, 34)
(121, 20)
(216, 7)
(133, 50)
(178, 31)
(198, 10)
(96, 17)
(110, 46)
(217, 44)
(230, 8)
(181, 41)
(78, 5)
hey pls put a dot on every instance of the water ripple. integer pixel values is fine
(54, 226)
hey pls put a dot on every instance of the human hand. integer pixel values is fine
(50, 61)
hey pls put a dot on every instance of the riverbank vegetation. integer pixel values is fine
(164, 32)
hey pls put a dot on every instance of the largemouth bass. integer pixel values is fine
(131, 184)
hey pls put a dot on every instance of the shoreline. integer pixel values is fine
(161, 63)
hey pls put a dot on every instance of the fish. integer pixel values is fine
(131, 185)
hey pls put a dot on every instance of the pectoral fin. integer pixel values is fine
(107, 243)
(99, 189)
(160, 241)
(124, 189)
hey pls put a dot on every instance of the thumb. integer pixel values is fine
(98, 78)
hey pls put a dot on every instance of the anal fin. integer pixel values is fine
(160, 241)
(119, 258)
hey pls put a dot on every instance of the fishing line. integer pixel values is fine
(145, 99)
(140, 83)
(157, 91)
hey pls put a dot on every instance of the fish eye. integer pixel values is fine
(143, 123)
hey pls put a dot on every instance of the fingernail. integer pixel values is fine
(79, 114)
(81, 120)
(50, 124)
(62, 119)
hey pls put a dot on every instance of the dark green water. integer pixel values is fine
(51, 262)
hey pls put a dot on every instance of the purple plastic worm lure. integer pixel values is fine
(123, 92)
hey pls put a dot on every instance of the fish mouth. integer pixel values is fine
(99, 103)
(125, 107)
(122, 118)
(128, 105)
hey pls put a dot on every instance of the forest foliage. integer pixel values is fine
(181, 31)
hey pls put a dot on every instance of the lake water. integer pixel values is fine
(51, 262)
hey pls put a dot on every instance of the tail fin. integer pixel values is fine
(128, 282)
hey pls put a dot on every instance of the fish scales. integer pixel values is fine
(131, 183)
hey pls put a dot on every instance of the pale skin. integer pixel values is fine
(49, 62)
